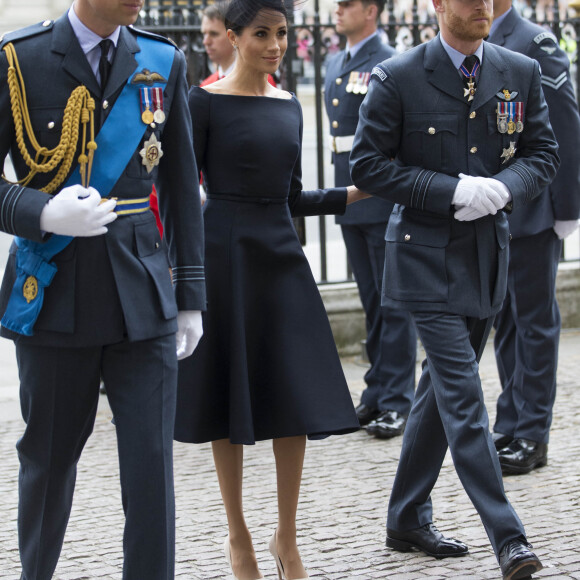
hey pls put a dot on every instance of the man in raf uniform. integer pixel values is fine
(84, 296)
(391, 339)
(438, 137)
(528, 325)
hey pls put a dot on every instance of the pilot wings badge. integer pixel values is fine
(146, 77)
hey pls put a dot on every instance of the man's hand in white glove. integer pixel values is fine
(189, 331)
(78, 212)
(564, 228)
(476, 197)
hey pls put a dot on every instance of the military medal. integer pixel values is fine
(511, 114)
(357, 83)
(350, 84)
(159, 114)
(502, 126)
(365, 83)
(146, 112)
(508, 152)
(151, 153)
(519, 116)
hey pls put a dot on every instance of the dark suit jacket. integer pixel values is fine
(416, 133)
(345, 113)
(561, 200)
(117, 285)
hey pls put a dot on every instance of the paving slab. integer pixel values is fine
(341, 519)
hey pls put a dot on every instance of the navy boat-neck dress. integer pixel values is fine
(266, 366)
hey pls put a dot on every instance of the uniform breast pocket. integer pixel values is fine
(47, 125)
(430, 140)
(415, 265)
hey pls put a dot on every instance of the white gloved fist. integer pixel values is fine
(78, 212)
(189, 332)
(564, 228)
(475, 197)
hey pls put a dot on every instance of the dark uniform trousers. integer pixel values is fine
(59, 390)
(528, 326)
(391, 341)
(527, 338)
(110, 310)
(449, 412)
(417, 132)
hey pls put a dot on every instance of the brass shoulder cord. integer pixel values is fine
(79, 111)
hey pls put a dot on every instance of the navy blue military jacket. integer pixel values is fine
(561, 201)
(417, 132)
(117, 285)
(342, 109)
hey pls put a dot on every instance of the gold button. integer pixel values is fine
(47, 23)
(51, 125)
(431, 130)
(472, 115)
(335, 124)
(335, 102)
(105, 104)
(407, 237)
(473, 150)
(338, 81)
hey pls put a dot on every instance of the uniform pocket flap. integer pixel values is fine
(409, 227)
(431, 123)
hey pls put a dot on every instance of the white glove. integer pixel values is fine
(78, 212)
(189, 331)
(478, 197)
(564, 228)
(468, 214)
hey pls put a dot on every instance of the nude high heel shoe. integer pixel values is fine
(227, 551)
(274, 552)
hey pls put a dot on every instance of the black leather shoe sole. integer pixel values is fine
(405, 546)
(514, 469)
(523, 570)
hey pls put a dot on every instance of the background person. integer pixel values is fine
(391, 338)
(528, 325)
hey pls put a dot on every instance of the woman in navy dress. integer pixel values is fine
(266, 366)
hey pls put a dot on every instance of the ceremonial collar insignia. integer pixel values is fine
(146, 77)
(506, 95)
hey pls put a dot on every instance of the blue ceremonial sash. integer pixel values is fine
(116, 144)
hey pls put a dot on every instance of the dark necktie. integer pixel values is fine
(104, 64)
(469, 70)
(346, 58)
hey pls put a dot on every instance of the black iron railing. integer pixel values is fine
(312, 38)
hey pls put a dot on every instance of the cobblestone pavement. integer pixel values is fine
(343, 503)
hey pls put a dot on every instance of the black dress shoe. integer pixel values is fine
(517, 560)
(428, 539)
(388, 424)
(522, 456)
(366, 414)
(500, 440)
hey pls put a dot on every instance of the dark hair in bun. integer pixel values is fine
(241, 13)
